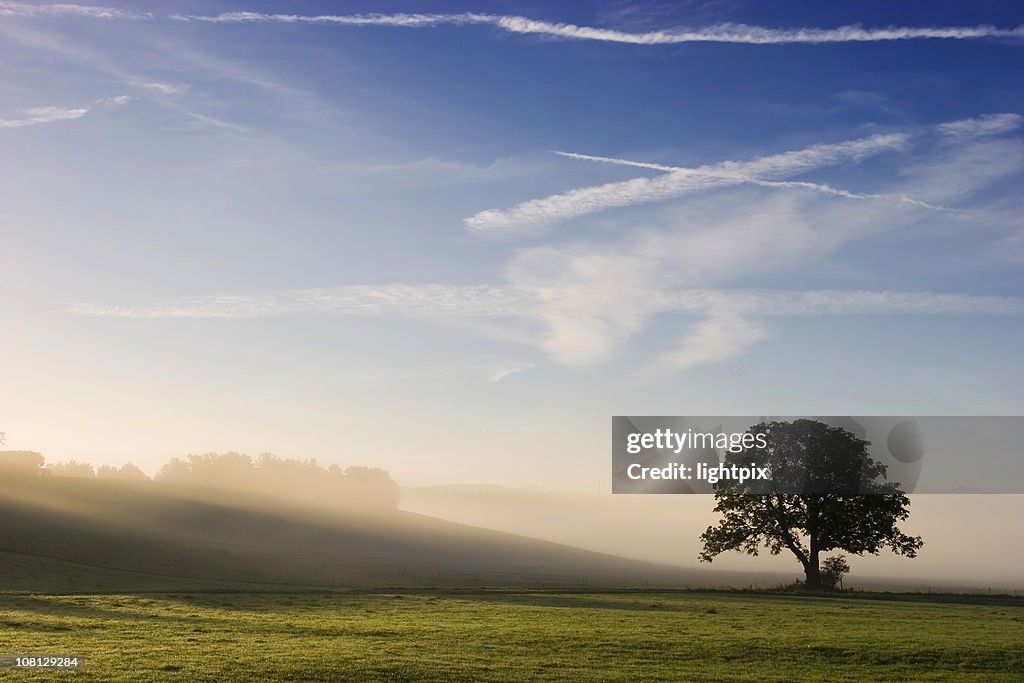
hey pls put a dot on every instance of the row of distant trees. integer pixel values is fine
(304, 480)
(73, 468)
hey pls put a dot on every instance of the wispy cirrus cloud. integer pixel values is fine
(988, 124)
(716, 33)
(597, 293)
(534, 215)
(162, 88)
(721, 337)
(34, 116)
(509, 369)
(731, 326)
(116, 100)
(798, 184)
(425, 300)
(577, 336)
(754, 35)
(24, 9)
(846, 302)
(440, 301)
(579, 302)
(401, 20)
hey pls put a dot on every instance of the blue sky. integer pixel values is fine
(326, 233)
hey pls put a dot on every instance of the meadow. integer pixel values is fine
(156, 583)
(499, 635)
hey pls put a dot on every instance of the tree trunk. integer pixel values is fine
(812, 570)
(813, 573)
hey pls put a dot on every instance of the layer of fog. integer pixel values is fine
(969, 539)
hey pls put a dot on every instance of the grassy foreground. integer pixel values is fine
(492, 635)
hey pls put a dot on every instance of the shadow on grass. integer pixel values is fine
(645, 596)
(60, 607)
(631, 603)
(60, 613)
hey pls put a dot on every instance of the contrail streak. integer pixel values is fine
(816, 187)
(741, 34)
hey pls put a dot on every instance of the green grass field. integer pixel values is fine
(498, 635)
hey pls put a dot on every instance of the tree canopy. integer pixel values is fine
(825, 493)
(304, 480)
(21, 463)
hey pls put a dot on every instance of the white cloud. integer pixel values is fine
(721, 337)
(580, 330)
(177, 54)
(716, 33)
(989, 124)
(855, 302)
(399, 20)
(534, 215)
(730, 331)
(797, 184)
(581, 302)
(436, 300)
(24, 9)
(35, 116)
(392, 299)
(162, 88)
(963, 167)
(594, 294)
(507, 369)
(753, 35)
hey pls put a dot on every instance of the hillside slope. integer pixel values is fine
(124, 532)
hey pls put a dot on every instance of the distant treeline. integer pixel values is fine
(301, 480)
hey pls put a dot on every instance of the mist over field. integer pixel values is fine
(230, 517)
(224, 520)
(961, 531)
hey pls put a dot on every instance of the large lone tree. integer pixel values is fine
(824, 493)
